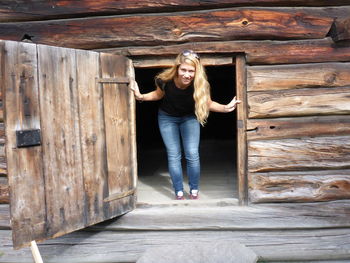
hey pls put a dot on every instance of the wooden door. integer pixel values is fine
(70, 138)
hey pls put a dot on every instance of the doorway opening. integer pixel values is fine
(217, 145)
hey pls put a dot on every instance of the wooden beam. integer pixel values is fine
(241, 92)
(156, 62)
(309, 186)
(341, 29)
(257, 52)
(42, 9)
(169, 28)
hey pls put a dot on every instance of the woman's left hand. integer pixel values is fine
(232, 105)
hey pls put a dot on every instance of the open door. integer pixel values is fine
(70, 138)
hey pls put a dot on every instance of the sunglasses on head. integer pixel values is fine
(187, 53)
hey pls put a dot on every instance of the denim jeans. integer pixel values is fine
(175, 130)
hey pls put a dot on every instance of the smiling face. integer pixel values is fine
(185, 75)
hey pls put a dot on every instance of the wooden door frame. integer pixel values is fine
(239, 62)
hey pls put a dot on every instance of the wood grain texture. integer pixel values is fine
(242, 113)
(299, 102)
(41, 9)
(299, 186)
(92, 137)
(118, 132)
(282, 128)
(128, 246)
(168, 28)
(257, 52)
(291, 216)
(24, 165)
(4, 191)
(340, 30)
(298, 76)
(62, 158)
(299, 154)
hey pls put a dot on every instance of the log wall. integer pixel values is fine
(298, 83)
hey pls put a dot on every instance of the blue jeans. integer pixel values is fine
(175, 130)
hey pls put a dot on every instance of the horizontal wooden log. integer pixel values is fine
(299, 186)
(167, 28)
(2, 132)
(128, 246)
(319, 153)
(257, 52)
(42, 9)
(206, 60)
(299, 102)
(298, 76)
(4, 217)
(283, 128)
(341, 29)
(4, 191)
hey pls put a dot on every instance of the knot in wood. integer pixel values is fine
(245, 22)
(177, 32)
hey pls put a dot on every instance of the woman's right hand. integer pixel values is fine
(135, 88)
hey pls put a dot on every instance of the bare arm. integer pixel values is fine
(156, 94)
(217, 107)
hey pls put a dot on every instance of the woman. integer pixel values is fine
(186, 102)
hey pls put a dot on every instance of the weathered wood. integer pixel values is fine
(62, 157)
(4, 217)
(21, 101)
(298, 76)
(92, 137)
(241, 94)
(156, 62)
(130, 73)
(341, 29)
(4, 192)
(41, 9)
(153, 29)
(199, 217)
(282, 128)
(257, 52)
(119, 151)
(299, 102)
(299, 186)
(317, 153)
(120, 246)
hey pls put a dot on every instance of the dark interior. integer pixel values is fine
(219, 132)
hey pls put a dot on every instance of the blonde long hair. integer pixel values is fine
(201, 85)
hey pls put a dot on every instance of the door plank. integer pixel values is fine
(117, 112)
(241, 128)
(61, 140)
(92, 134)
(25, 171)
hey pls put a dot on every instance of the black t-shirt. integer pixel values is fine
(176, 102)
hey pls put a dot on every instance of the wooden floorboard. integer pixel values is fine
(276, 232)
(128, 246)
